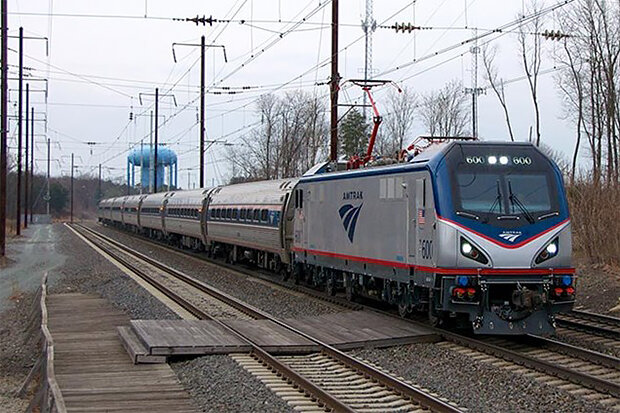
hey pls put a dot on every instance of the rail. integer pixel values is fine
(426, 400)
(583, 379)
(598, 324)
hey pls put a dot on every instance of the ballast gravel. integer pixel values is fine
(472, 384)
(86, 271)
(18, 350)
(216, 383)
(276, 301)
(607, 346)
(477, 386)
(219, 384)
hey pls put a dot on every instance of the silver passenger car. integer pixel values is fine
(151, 213)
(116, 211)
(131, 207)
(183, 217)
(250, 215)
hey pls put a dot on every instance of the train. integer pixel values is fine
(474, 234)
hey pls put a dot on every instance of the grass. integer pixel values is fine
(595, 212)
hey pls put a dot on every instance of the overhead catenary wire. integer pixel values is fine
(252, 99)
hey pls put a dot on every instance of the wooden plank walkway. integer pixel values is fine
(169, 337)
(355, 329)
(93, 369)
(347, 330)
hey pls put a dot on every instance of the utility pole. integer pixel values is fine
(154, 166)
(335, 80)
(474, 89)
(99, 185)
(18, 224)
(26, 160)
(369, 25)
(141, 164)
(72, 188)
(47, 195)
(156, 95)
(31, 162)
(203, 48)
(151, 157)
(4, 107)
(202, 113)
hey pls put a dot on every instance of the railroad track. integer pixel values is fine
(327, 380)
(579, 371)
(591, 323)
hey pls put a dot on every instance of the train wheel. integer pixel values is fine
(284, 273)
(297, 273)
(404, 310)
(330, 286)
(436, 318)
(348, 286)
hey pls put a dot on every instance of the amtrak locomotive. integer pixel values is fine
(473, 233)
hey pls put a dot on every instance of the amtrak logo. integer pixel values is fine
(510, 236)
(349, 214)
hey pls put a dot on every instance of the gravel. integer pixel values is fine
(275, 300)
(472, 384)
(608, 346)
(216, 383)
(88, 272)
(598, 289)
(219, 384)
(17, 351)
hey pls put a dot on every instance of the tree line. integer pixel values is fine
(293, 133)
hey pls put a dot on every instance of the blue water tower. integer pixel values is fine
(143, 157)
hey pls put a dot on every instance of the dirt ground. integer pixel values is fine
(598, 288)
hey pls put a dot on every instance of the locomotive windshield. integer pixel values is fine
(502, 185)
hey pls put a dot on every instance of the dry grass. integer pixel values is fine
(11, 227)
(595, 221)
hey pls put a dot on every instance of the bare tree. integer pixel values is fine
(591, 81)
(397, 122)
(290, 139)
(530, 53)
(444, 112)
(491, 76)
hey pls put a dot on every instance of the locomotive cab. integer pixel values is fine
(504, 233)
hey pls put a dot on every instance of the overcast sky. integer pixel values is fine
(104, 54)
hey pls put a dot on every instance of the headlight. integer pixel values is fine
(470, 251)
(550, 251)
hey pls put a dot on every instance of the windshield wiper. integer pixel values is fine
(467, 215)
(549, 215)
(498, 198)
(515, 201)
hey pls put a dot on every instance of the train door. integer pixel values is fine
(424, 219)
(300, 230)
(412, 210)
(204, 217)
(163, 212)
(123, 211)
(138, 211)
